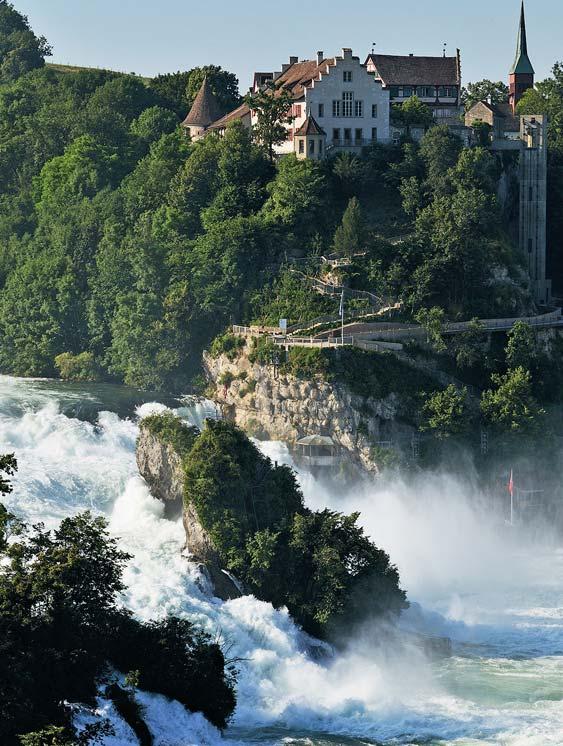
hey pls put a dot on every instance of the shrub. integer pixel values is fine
(170, 429)
(82, 367)
(446, 412)
(227, 344)
(306, 362)
(226, 378)
(263, 351)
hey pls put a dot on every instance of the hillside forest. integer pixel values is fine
(125, 248)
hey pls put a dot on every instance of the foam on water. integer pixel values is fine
(499, 600)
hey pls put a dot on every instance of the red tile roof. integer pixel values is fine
(301, 74)
(239, 113)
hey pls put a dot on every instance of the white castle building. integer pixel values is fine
(337, 106)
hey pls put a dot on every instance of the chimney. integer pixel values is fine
(293, 60)
(346, 53)
(285, 67)
(320, 57)
(277, 75)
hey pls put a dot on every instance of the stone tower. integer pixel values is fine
(521, 72)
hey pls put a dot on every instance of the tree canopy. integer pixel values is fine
(320, 565)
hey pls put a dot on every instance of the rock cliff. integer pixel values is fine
(272, 406)
(161, 468)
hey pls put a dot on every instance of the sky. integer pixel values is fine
(151, 37)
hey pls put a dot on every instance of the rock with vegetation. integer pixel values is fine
(164, 443)
(251, 512)
(368, 403)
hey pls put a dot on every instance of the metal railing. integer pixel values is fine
(351, 142)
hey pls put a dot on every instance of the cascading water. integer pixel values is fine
(498, 597)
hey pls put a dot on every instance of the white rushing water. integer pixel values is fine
(496, 594)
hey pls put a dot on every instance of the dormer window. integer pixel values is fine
(347, 76)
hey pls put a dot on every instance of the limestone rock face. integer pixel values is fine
(281, 407)
(161, 468)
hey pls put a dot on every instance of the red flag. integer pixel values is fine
(511, 484)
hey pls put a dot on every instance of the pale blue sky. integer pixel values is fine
(151, 37)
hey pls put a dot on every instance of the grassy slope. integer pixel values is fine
(78, 68)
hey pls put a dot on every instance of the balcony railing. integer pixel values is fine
(351, 143)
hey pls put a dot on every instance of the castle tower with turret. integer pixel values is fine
(521, 72)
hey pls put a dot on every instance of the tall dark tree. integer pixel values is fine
(20, 50)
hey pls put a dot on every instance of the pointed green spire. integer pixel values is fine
(522, 64)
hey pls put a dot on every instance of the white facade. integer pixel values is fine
(350, 105)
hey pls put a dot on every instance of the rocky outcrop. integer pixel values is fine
(161, 468)
(273, 406)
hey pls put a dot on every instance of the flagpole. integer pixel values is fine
(511, 490)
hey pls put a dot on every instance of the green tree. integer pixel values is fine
(413, 113)
(298, 196)
(62, 623)
(469, 348)
(432, 319)
(461, 236)
(223, 84)
(273, 107)
(351, 173)
(484, 90)
(547, 98)
(172, 89)
(445, 412)
(476, 168)
(412, 193)
(337, 573)
(439, 149)
(153, 123)
(350, 236)
(483, 132)
(511, 407)
(522, 347)
(320, 565)
(20, 50)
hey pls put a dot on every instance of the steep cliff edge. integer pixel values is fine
(273, 405)
(161, 467)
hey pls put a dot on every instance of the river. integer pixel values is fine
(497, 592)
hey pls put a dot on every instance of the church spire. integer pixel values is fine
(522, 62)
(521, 72)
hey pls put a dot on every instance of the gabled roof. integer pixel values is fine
(411, 70)
(300, 75)
(309, 127)
(522, 64)
(511, 123)
(239, 113)
(205, 108)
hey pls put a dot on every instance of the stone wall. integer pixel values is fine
(274, 406)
